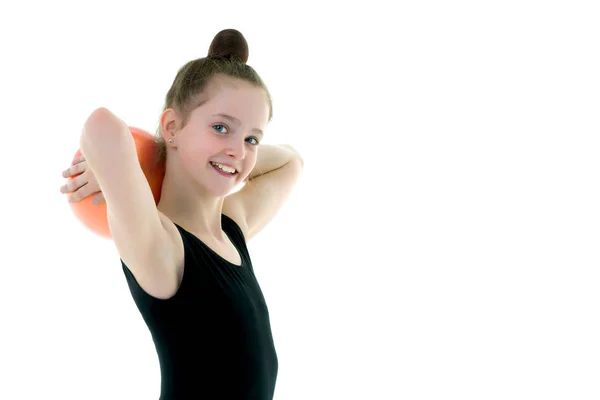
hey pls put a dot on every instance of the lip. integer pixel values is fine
(226, 164)
(223, 173)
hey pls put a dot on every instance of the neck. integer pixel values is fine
(190, 206)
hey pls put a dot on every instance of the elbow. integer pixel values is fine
(296, 156)
(300, 160)
(101, 125)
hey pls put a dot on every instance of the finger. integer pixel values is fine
(98, 199)
(78, 160)
(81, 193)
(74, 184)
(68, 172)
(75, 169)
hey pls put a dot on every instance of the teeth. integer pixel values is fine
(224, 168)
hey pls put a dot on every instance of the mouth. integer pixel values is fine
(224, 169)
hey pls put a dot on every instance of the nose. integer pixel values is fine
(237, 149)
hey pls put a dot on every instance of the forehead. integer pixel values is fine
(235, 97)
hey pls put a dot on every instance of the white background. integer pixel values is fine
(442, 243)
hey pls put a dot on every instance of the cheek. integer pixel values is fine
(198, 149)
(250, 162)
(194, 155)
(251, 157)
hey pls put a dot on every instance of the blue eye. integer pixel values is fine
(255, 140)
(218, 126)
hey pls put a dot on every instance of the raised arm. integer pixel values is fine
(137, 228)
(269, 186)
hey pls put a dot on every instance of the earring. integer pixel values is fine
(171, 141)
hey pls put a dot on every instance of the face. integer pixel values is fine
(222, 134)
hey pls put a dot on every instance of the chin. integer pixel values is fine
(218, 185)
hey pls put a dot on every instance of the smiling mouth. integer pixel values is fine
(223, 169)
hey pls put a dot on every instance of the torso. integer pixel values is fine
(230, 300)
(167, 288)
(225, 250)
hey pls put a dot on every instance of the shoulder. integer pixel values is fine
(233, 222)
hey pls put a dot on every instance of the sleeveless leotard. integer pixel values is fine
(213, 337)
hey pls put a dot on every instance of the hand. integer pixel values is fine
(83, 185)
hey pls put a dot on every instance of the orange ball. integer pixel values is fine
(94, 216)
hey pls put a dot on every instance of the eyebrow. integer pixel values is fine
(237, 121)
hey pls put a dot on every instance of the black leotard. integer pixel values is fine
(213, 337)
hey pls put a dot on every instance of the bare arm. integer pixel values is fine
(269, 186)
(136, 226)
(272, 157)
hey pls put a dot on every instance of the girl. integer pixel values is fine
(185, 259)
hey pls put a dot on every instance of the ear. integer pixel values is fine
(169, 123)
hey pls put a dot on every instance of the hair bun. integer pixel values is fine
(230, 44)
